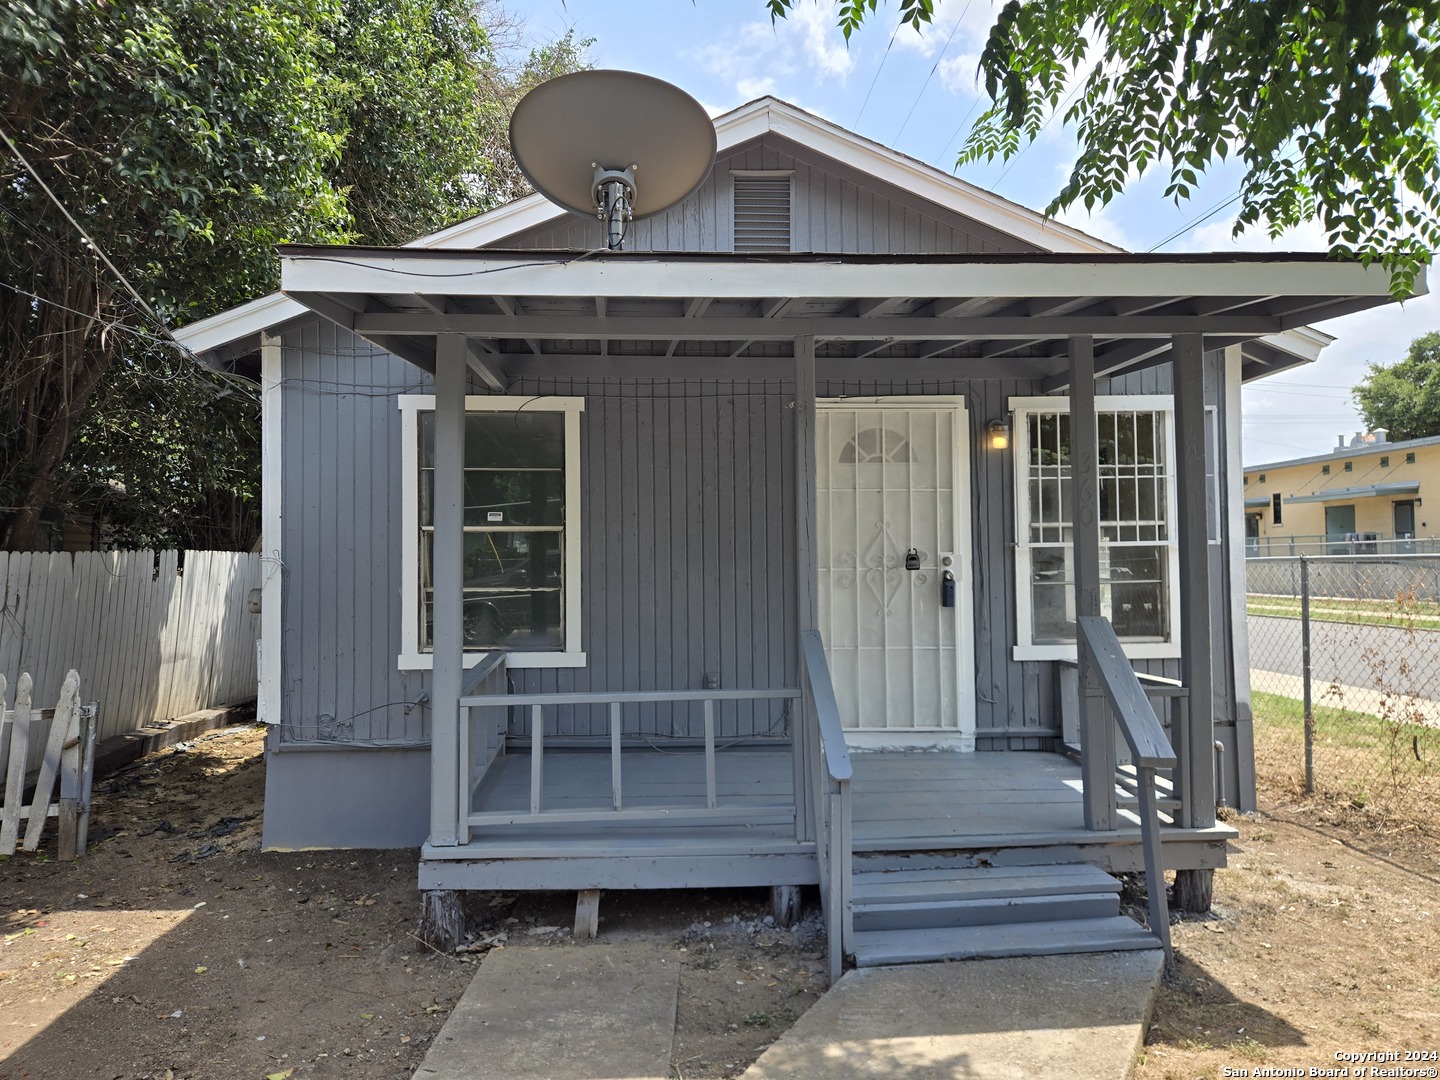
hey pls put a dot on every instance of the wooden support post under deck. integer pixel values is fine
(1097, 733)
(1196, 671)
(807, 612)
(446, 567)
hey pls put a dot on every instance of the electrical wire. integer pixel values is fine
(876, 79)
(933, 68)
(89, 241)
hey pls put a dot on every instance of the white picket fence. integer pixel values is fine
(154, 642)
(66, 735)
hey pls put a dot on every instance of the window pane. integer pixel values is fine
(529, 621)
(1052, 595)
(1136, 591)
(515, 440)
(514, 467)
(506, 561)
(514, 497)
(512, 589)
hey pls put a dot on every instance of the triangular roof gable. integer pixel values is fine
(733, 129)
(768, 114)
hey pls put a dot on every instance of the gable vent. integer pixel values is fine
(762, 213)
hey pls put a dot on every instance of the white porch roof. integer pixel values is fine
(969, 316)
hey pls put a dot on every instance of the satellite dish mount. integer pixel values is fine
(581, 138)
(615, 201)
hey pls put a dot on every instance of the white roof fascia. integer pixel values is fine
(238, 322)
(459, 273)
(1304, 341)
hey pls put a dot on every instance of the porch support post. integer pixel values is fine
(1197, 756)
(448, 576)
(807, 612)
(1097, 732)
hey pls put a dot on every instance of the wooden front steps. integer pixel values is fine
(907, 916)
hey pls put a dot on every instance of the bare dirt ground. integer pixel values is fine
(177, 950)
(1320, 943)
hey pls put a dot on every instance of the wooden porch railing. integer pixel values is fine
(1149, 750)
(832, 799)
(712, 812)
(489, 676)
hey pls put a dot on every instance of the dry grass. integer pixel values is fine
(1370, 772)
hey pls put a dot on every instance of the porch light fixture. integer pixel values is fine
(997, 434)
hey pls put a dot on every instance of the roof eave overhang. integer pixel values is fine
(1132, 304)
(1366, 491)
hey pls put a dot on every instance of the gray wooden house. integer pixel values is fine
(855, 527)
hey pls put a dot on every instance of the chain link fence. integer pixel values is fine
(1345, 686)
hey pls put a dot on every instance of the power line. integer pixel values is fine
(876, 79)
(99, 252)
(933, 68)
(1206, 216)
(958, 128)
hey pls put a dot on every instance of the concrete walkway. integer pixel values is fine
(1037, 1018)
(602, 1012)
(607, 1012)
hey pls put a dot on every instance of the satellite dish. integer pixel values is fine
(616, 145)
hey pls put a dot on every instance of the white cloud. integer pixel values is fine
(1216, 236)
(973, 19)
(825, 47)
(758, 57)
(961, 74)
(1101, 225)
(750, 88)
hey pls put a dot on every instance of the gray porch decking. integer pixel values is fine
(1005, 806)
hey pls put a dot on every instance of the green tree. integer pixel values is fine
(188, 137)
(1404, 397)
(1332, 108)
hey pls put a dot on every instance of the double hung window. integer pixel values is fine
(521, 569)
(1139, 553)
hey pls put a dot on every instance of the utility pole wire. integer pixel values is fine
(89, 242)
(876, 79)
(934, 68)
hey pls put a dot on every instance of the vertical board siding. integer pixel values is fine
(688, 549)
(833, 208)
(340, 546)
(673, 506)
(150, 641)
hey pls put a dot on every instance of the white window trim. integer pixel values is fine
(411, 405)
(1020, 408)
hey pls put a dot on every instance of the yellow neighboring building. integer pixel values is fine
(1364, 497)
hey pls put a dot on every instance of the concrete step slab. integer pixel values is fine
(1034, 1018)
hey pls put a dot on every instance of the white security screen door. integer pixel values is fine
(892, 482)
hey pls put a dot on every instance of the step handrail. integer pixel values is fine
(1150, 749)
(833, 812)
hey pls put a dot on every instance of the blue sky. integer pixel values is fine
(917, 93)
